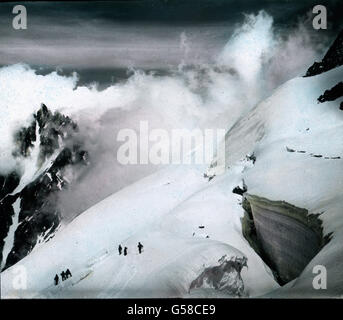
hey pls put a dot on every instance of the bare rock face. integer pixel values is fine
(285, 236)
(6, 213)
(38, 216)
(8, 183)
(226, 277)
(332, 59)
(332, 94)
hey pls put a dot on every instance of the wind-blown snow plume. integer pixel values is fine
(250, 45)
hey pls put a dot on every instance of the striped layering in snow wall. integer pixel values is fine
(285, 236)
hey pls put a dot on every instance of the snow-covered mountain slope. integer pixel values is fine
(311, 180)
(299, 152)
(163, 211)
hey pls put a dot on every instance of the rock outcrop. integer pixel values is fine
(226, 277)
(332, 94)
(332, 59)
(39, 216)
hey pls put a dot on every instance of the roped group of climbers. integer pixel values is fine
(120, 249)
(67, 274)
(64, 275)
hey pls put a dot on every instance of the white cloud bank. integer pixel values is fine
(214, 95)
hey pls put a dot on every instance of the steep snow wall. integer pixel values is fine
(288, 237)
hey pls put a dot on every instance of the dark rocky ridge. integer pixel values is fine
(240, 190)
(285, 236)
(51, 128)
(332, 94)
(6, 213)
(8, 183)
(39, 216)
(332, 59)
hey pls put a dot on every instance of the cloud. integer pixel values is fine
(103, 44)
(212, 93)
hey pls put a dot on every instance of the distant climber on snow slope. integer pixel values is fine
(63, 276)
(56, 279)
(140, 247)
(68, 274)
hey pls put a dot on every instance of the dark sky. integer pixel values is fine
(167, 11)
(146, 33)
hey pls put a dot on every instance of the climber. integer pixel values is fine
(56, 280)
(68, 274)
(120, 249)
(63, 276)
(125, 251)
(140, 247)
